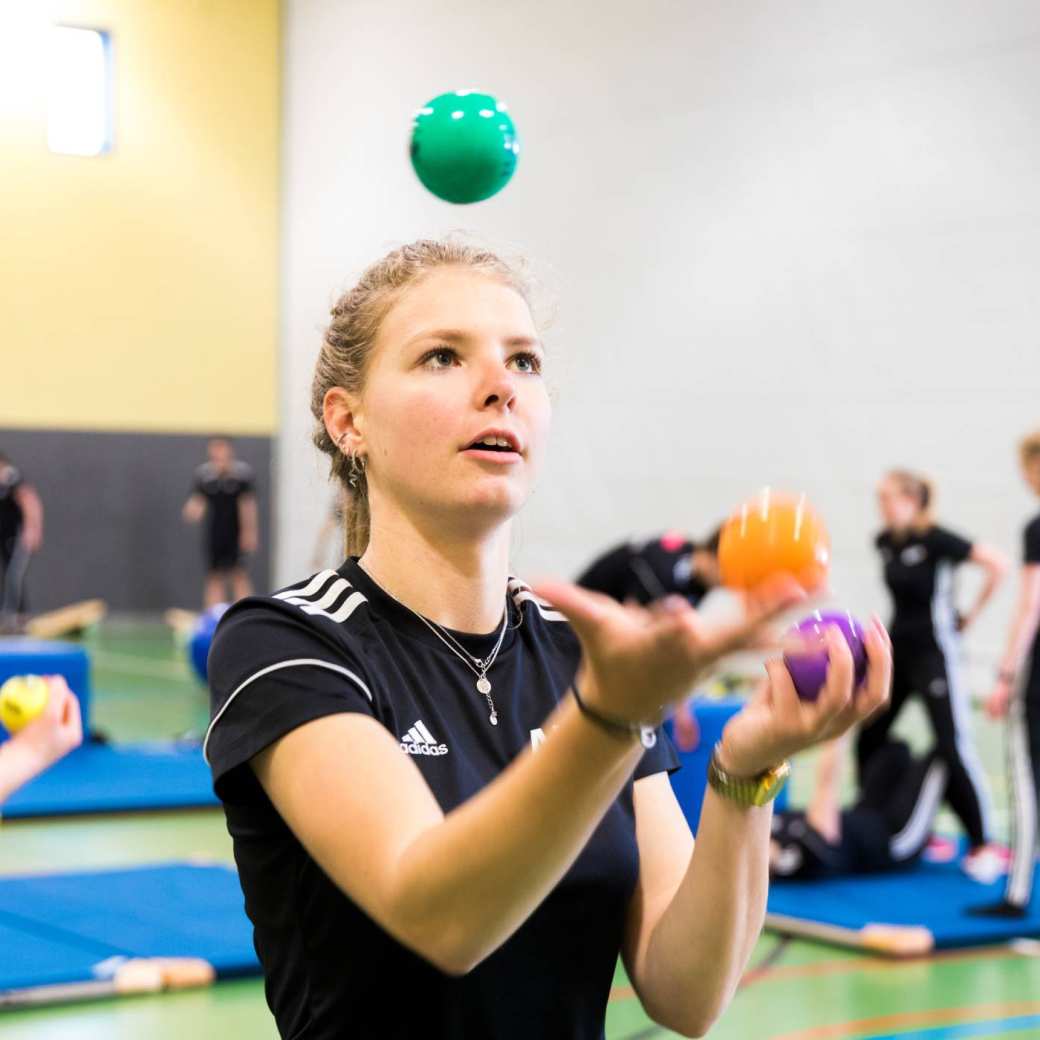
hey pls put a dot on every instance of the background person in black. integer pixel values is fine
(919, 559)
(886, 828)
(223, 494)
(1016, 694)
(21, 535)
(667, 565)
(433, 837)
(645, 572)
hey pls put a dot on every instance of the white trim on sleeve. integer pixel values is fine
(295, 662)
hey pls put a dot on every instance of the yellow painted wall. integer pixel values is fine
(139, 289)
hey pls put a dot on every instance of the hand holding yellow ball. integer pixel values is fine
(23, 698)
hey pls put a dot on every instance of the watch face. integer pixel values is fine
(770, 784)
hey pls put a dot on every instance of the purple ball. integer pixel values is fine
(809, 668)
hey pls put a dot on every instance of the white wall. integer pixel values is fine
(789, 243)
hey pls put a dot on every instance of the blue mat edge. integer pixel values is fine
(40, 799)
(952, 929)
(248, 967)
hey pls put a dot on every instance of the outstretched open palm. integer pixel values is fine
(638, 661)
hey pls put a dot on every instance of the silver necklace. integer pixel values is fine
(479, 666)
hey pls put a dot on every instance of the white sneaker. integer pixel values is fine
(986, 864)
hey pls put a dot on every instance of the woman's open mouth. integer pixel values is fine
(495, 447)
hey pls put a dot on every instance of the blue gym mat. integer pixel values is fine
(934, 896)
(69, 927)
(99, 778)
(690, 780)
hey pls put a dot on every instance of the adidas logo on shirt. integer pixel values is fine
(420, 741)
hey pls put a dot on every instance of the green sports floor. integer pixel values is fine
(793, 990)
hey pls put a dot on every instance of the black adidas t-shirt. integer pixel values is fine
(647, 571)
(334, 643)
(222, 492)
(918, 570)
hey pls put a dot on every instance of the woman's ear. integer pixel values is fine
(341, 413)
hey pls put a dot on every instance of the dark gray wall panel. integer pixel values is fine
(112, 525)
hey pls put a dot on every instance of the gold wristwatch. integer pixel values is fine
(747, 791)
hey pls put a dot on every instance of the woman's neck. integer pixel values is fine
(459, 583)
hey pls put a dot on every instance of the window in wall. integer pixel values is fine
(79, 118)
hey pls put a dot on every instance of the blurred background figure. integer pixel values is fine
(21, 535)
(1016, 694)
(671, 564)
(919, 560)
(224, 496)
(887, 827)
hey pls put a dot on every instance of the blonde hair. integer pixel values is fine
(1029, 448)
(917, 488)
(346, 349)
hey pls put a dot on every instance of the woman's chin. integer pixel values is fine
(492, 504)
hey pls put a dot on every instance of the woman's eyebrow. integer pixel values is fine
(459, 336)
(451, 335)
(524, 341)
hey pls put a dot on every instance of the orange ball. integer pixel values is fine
(771, 535)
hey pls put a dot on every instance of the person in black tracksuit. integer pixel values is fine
(886, 828)
(1016, 694)
(646, 571)
(21, 534)
(224, 494)
(919, 560)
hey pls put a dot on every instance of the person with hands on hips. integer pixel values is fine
(447, 791)
(43, 741)
(919, 560)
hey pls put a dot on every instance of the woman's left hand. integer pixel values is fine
(777, 723)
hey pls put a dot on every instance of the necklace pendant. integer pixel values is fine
(493, 718)
(483, 686)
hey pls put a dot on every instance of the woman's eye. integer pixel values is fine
(442, 357)
(528, 363)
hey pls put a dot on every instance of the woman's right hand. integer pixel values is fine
(637, 661)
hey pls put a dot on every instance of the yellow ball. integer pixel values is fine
(22, 699)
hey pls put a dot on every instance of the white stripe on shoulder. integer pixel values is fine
(350, 604)
(308, 587)
(339, 586)
(295, 663)
(310, 605)
(521, 593)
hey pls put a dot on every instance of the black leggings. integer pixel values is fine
(1024, 774)
(933, 673)
(14, 562)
